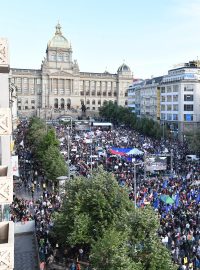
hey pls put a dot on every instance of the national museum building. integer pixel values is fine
(59, 86)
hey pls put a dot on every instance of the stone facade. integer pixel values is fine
(60, 86)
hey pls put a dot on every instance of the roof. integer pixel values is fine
(59, 41)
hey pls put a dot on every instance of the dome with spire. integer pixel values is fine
(123, 68)
(59, 41)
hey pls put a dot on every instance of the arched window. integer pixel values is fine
(88, 101)
(62, 103)
(93, 102)
(99, 102)
(68, 103)
(55, 103)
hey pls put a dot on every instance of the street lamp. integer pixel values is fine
(135, 183)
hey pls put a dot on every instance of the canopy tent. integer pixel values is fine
(166, 199)
(125, 151)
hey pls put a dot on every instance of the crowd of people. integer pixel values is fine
(179, 219)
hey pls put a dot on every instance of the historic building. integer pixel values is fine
(60, 86)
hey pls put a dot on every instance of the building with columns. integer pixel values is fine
(60, 86)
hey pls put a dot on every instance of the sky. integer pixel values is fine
(150, 36)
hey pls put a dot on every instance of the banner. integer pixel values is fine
(15, 167)
(156, 164)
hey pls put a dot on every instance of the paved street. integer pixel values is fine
(25, 252)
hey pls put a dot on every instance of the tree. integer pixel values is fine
(91, 207)
(194, 141)
(96, 213)
(53, 163)
(111, 252)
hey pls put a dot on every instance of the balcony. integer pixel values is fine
(6, 245)
(6, 186)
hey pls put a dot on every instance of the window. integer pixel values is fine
(18, 80)
(162, 89)
(175, 117)
(32, 91)
(162, 107)
(169, 98)
(126, 103)
(175, 107)
(109, 94)
(162, 116)
(26, 101)
(61, 91)
(60, 57)
(175, 88)
(25, 80)
(19, 90)
(189, 87)
(169, 117)
(38, 81)
(93, 108)
(169, 89)
(163, 99)
(93, 102)
(188, 97)
(33, 107)
(169, 107)
(55, 91)
(98, 93)
(188, 117)
(32, 101)
(188, 107)
(104, 93)
(93, 93)
(175, 98)
(19, 108)
(26, 108)
(99, 102)
(115, 94)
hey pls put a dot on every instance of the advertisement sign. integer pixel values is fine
(15, 167)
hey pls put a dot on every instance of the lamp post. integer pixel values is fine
(68, 143)
(135, 183)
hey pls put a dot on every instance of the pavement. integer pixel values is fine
(26, 257)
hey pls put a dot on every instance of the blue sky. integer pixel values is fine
(149, 35)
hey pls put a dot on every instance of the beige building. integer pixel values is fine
(60, 87)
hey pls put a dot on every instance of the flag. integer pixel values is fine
(156, 203)
(22, 143)
(165, 184)
(177, 200)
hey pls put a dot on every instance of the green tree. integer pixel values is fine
(111, 252)
(97, 214)
(92, 206)
(194, 141)
(53, 163)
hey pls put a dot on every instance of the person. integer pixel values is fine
(73, 266)
(78, 266)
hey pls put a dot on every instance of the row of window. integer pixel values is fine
(174, 117)
(93, 93)
(18, 81)
(169, 98)
(26, 101)
(174, 107)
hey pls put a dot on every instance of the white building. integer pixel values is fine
(180, 97)
(59, 86)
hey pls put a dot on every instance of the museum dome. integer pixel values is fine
(59, 41)
(124, 68)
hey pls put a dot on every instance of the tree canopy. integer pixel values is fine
(45, 147)
(121, 115)
(97, 213)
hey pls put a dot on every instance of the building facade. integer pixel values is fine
(6, 177)
(180, 97)
(59, 86)
(173, 99)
